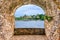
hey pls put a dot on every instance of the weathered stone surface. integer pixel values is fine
(8, 7)
(29, 37)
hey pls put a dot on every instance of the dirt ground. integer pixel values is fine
(29, 37)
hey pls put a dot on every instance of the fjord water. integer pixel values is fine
(29, 24)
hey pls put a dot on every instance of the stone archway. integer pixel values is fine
(7, 8)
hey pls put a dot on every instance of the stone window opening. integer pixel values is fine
(28, 11)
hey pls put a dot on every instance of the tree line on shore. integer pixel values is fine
(34, 17)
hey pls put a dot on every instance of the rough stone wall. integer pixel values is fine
(8, 7)
(52, 27)
(6, 20)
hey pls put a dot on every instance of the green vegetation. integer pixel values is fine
(34, 17)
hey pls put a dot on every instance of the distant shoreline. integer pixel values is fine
(29, 20)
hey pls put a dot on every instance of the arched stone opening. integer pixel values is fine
(50, 12)
(7, 8)
(29, 24)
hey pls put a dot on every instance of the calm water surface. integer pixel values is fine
(29, 24)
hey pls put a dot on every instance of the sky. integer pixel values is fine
(29, 9)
